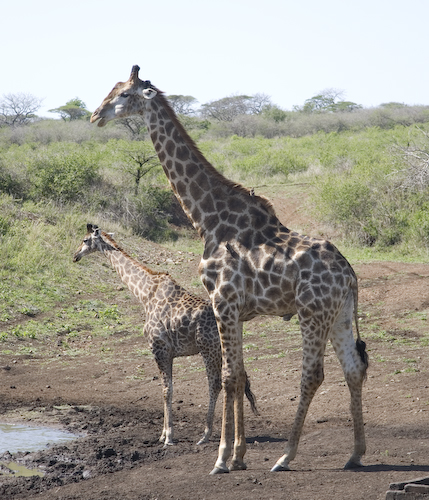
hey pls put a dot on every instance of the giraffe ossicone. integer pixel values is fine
(253, 265)
(177, 323)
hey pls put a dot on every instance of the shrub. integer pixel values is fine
(9, 184)
(146, 214)
(64, 175)
(150, 215)
(348, 205)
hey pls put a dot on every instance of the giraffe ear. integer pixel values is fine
(149, 93)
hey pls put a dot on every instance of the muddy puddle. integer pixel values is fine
(19, 437)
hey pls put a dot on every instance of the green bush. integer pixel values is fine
(4, 225)
(149, 213)
(9, 184)
(348, 205)
(63, 176)
(371, 192)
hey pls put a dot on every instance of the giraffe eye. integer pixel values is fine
(125, 94)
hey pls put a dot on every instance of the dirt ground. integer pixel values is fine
(118, 415)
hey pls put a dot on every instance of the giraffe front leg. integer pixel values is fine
(167, 432)
(233, 381)
(240, 438)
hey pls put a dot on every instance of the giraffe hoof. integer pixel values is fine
(218, 470)
(353, 464)
(280, 468)
(202, 441)
(238, 466)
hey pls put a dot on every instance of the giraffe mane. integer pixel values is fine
(112, 242)
(213, 172)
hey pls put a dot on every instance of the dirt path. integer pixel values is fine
(112, 398)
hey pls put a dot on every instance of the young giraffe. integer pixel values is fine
(253, 265)
(177, 324)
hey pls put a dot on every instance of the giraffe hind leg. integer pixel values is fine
(311, 379)
(354, 361)
(213, 370)
(227, 433)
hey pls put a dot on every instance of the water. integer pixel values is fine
(18, 437)
(20, 470)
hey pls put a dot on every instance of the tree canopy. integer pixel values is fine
(75, 109)
(183, 104)
(328, 100)
(227, 108)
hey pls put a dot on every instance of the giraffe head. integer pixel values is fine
(91, 243)
(125, 99)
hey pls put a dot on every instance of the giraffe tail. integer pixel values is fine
(250, 396)
(360, 344)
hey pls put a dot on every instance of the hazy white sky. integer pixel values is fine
(374, 50)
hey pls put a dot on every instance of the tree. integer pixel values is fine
(182, 104)
(346, 106)
(140, 158)
(18, 109)
(228, 108)
(393, 105)
(324, 101)
(328, 100)
(258, 103)
(415, 159)
(225, 109)
(275, 113)
(75, 109)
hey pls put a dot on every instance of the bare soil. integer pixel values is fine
(113, 400)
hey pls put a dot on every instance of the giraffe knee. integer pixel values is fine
(318, 378)
(312, 381)
(230, 383)
(355, 377)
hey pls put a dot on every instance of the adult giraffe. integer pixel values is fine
(253, 265)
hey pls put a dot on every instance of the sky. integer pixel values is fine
(375, 51)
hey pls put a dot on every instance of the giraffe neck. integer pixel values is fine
(139, 279)
(206, 196)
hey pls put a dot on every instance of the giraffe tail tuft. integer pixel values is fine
(361, 349)
(250, 396)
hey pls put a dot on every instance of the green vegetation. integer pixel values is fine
(367, 169)
(366, 172)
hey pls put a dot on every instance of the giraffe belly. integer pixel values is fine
(280, 304)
